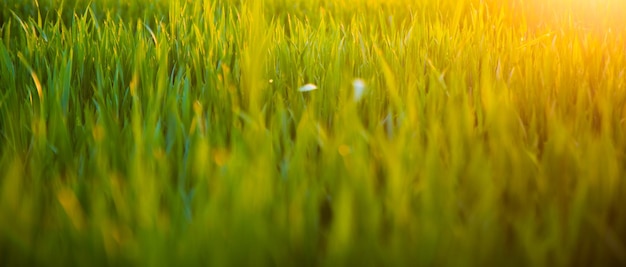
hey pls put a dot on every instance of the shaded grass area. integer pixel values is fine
(173, 132)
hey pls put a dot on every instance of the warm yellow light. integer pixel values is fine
(597, 15)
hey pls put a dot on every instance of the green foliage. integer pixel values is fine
(173, 133)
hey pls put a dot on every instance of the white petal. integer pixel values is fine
(359, 89)
(308, 87)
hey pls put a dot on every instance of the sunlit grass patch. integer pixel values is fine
(311, 132)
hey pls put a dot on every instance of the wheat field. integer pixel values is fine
(312, 133)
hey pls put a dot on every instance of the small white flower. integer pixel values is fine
(359, 89)
(271, 81)
(308, 87)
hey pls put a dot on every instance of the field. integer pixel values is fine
(312, 133)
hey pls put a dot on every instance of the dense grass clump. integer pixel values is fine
(441, 133)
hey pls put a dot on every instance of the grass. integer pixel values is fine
(160, 133)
